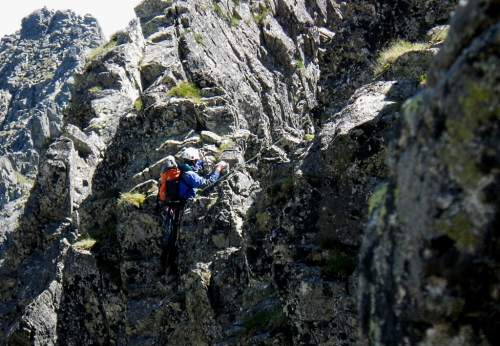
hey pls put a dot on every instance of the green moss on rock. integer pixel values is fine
(461, 154)
(262, 219)
(460, 229)
(377, 199)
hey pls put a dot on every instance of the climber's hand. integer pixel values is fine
(220, 166)
(202, 155)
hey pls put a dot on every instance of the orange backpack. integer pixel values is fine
(169, 184)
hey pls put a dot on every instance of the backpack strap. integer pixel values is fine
(181, 178)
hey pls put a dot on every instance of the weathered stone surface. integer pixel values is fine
(429, 264)
(411, 65)
(361, 30)
(268, 255)
(36, 67)
(82, 314)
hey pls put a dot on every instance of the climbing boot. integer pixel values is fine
(161, 269)
(171, 277)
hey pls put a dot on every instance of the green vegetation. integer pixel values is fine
(262, 14)
(138, 105)
(300, 64)
(389, 55)
(129, 198)
(85, 244)
(185, 90)
(206, 277)
(461, 230)
(308, 137)
(262, 219)
(219, 11)
(95, 89)
(237, 2)
(22, 180)
(423, 79)
(223, 147)
(235, 20)
(271, 321)
(378, 198)
(104, 48)
(439, 35)
(48, 75)
(199, 39)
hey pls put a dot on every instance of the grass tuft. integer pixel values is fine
(95, 89)
(219, 11)
(138, 105)
(300, 64)
(185, 90)
(262, 14)
(199, 39)
(423, 79)
(227, 143)
(129, 198)
(104, 48)
(235, 20)
(85, 244)
(439, 35)
(48, 75)
(397, 48)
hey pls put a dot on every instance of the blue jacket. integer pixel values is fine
(191, 180)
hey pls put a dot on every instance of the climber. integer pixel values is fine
(189, 180)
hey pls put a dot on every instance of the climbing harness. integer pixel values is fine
(172, 219)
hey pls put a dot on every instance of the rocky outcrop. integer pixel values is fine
(429, 263)
(268, 256)
(37, 65)
(37, 183)
(355, 33)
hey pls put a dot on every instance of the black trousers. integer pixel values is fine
(170, 250)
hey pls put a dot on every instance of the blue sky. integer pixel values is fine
(112, 15)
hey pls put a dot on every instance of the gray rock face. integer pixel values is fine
(36, 69)
(37, 181)
(361, 29)
(268, 255)
(429, 263)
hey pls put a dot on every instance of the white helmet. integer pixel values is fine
(191, 154)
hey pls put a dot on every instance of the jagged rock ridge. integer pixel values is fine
(269, 255)
(430, 262)
(36, 71)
